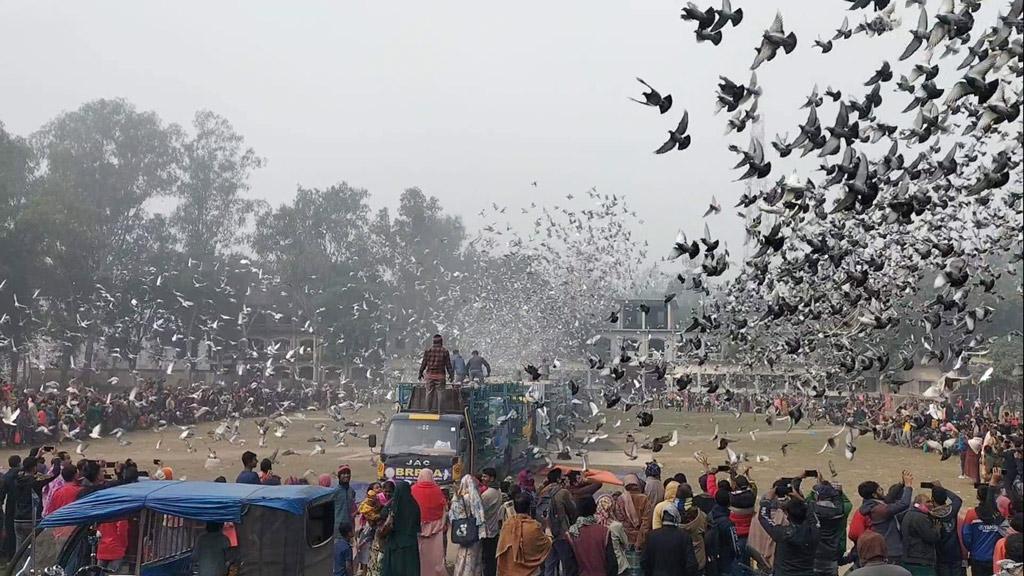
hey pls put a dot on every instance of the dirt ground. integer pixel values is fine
(872, 460)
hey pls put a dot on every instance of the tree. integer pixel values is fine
(18, 248)
(102, 163)
(211, 215)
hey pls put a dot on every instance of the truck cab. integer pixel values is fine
(472, 428)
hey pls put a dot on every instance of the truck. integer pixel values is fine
(485, 426)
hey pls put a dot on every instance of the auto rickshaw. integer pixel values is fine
(274, 530)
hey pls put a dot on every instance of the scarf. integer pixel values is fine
(605, 502)
(625, 510)
(871, 546)
(574, 530)
(467, 503)
(429, 497)
(522, 546)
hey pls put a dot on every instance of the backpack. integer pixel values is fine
(544, 513)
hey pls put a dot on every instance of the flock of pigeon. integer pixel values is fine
(892, 255)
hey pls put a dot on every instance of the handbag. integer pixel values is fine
(464, 530)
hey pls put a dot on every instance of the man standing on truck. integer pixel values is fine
(436, 365)
(476, 366)
(459, 366)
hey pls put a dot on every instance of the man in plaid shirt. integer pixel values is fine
(436, 364)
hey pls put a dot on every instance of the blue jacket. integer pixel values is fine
(344, 501)
(948, 548)
(980, 540)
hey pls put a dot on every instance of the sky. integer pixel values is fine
(470, 101)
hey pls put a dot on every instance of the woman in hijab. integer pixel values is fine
(467, 505)
(401, 554)
(433, 522)
(605, 505)
(634, 511)
(670, 500)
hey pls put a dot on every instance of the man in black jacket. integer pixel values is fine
(921, 534)
(947, 510)
(7, 500)
(795, 544)
(828, 507)
(669, 550)
(26, 483)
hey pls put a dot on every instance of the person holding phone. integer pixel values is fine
(883, 516)
(797, 542)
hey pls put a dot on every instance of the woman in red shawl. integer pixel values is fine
(433, 521)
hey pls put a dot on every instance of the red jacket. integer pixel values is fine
(113, 540)
(62, 497)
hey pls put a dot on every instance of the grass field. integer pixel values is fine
(872, 460)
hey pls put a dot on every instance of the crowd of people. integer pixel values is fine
(655, 526)
(54, 413)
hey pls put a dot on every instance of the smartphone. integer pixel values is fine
(110, 464)
(927, 485)
(724, 468)
(48, 448)
(810, 473)
(1002, 471)
(156, 462)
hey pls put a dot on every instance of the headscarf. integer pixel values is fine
(624, 508)
(429, 497)
(525, 481)
(670, 516)
(605, 502)
(652, 469)
(165, 473)
(406, 514)
(871, 547)
(325, 480)
(468, 503)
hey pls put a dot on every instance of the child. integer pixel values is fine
(343, 551)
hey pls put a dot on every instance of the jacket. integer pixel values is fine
(884, 519)
(947, 552)
(113, 540)
(344, 503)
(669, 552)
(725, 544)
(980, 539)
(563, 508)
(794, 544)
(832, 524)
(698, 529)
(921, 535)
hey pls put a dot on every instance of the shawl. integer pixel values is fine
(406, 523)
(429, 497)
(522, 546)
(468, 502)
(625, 511)
(604, 509)
(582, 521)
(871, 547)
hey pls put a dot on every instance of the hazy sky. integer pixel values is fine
(470, 101)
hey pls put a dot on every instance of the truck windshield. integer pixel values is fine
(421, 437)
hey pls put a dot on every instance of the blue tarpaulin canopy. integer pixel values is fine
(201, 501)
